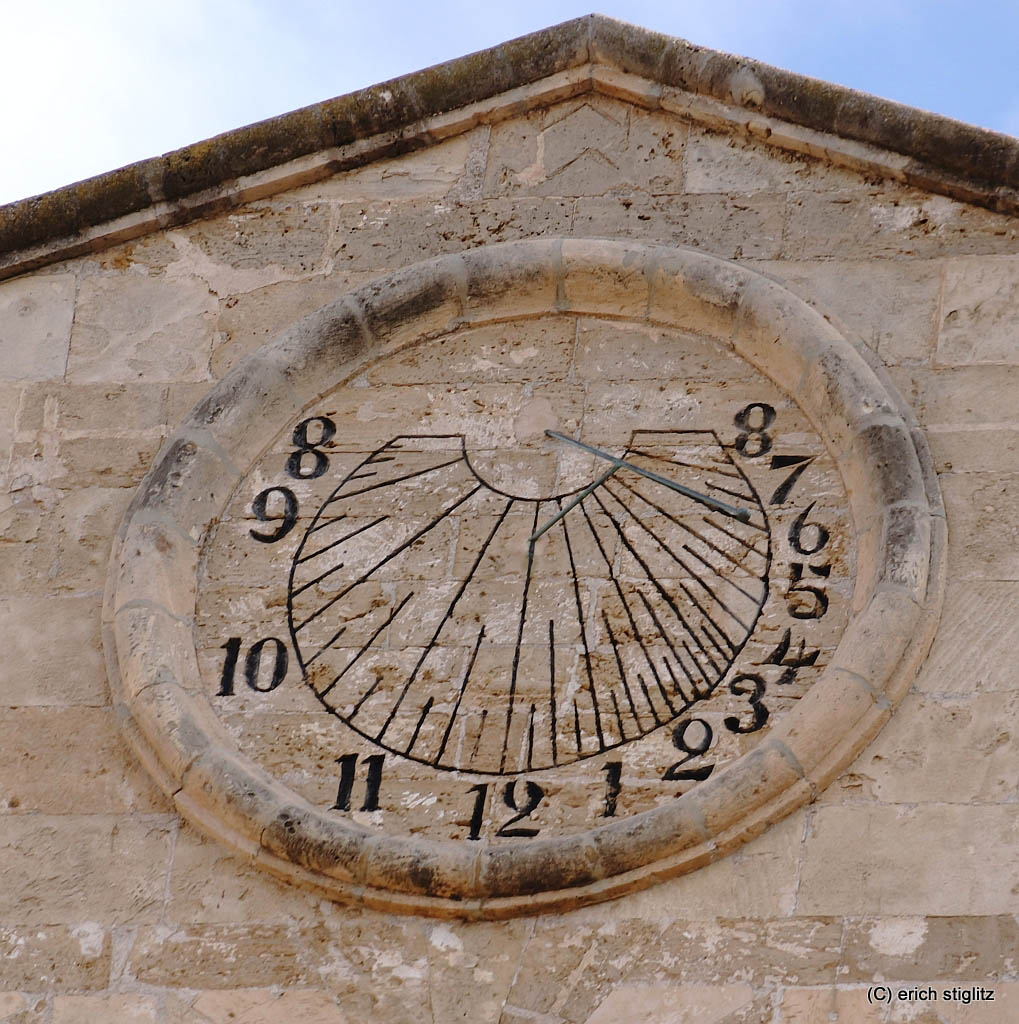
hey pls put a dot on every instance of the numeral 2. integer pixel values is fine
(533, 795)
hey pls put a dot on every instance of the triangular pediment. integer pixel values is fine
(567, 72)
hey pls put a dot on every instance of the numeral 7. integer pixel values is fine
(784, 462)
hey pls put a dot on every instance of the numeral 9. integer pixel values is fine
(259, 508)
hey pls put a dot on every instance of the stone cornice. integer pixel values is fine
(592, 53)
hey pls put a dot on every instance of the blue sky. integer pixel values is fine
(90, 85)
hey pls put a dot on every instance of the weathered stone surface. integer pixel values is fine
(36, 313)
(264, 1006)
(140, 327)
(586, 147)
(673, 1004)
(220, 956)
(951, 950)
(718, 224)
(57, 958)
(810, 1005)
(107, 778)
(112, 1009)
(973, 651)
(58, 542)
(63, 667)
(951, 749)
(21, 1008)
(935, 859)
(108, 869)
(211, 885)
(985, 525)
(891, 305)
(726, 163)
(886, 222)
(977, 312)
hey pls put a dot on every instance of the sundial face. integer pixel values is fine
(524, 580)
(379, 631)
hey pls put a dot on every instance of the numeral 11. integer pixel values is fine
(348, 764)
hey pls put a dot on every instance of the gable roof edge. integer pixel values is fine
(933, 152)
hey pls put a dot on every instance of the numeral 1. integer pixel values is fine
(613, 774)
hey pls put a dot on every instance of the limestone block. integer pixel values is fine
(812, 1005)
(726, 226)
(10, 401)
(891, 221)
(472, 969)
(968, 413)
(586, 147)
(626, 351)
(60, 545)
(726, 162)
(978, 312)
(250, 319)
(427, 173)
(210, 884)
(377, 965)
(534, 350)
(935, 859)
(53, 652)
(983, 522)
(89, 410)
(267, 1006)
(280, 235)
(674, 1004)
(140, 327)
(571, 964)
(92, 461)
(58, 958)
(891, 305)
(235, 955)
(384, 236)
(112, 1009)
(19, 1008)
(69, 868)
(36, 313)
(974, 649)
(954, 950)
(757, 880)
(105, 778)
(956, 750)
(1003, 1010)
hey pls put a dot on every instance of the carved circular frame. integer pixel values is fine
(151, 592)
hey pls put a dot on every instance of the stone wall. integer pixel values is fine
(904, 872)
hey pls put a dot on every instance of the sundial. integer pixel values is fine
(525, 578)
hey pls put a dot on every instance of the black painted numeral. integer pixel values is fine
(784, 489)
(803, 600)
(260, 509)
(533, 795)
(305, 446)
(790, 662)
(751, 432)
(373, 781)
(796, 538)
(613, 774)
(738, 688)
(253, 665)
(478, 814)
(676, 772)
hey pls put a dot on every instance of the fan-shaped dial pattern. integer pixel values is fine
(625, 613)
